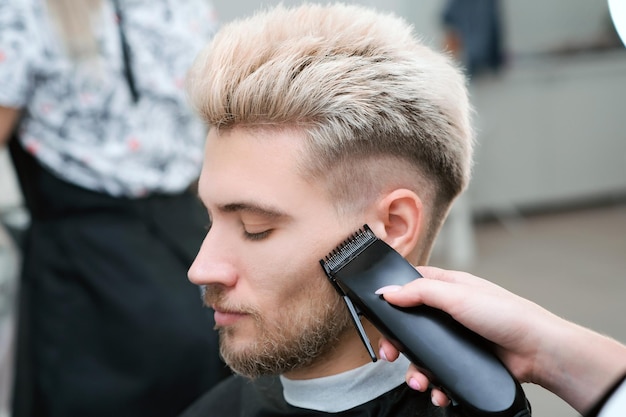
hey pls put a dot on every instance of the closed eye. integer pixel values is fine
(257, 236)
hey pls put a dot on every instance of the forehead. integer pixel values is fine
(253, 163)
(242, 149)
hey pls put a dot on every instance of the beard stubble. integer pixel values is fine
(307, 330)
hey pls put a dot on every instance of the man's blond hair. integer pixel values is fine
(379, 108)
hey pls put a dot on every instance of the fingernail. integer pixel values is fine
(382, 355)
(414, 384)
(388, 289)
(434, 401)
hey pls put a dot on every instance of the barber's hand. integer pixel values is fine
(575, 363)
(514, 325)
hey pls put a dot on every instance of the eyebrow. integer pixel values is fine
(254, 208)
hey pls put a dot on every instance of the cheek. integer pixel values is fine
(286, 270)
(287, 261)
(298, 283)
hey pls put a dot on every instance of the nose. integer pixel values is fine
(213, 264)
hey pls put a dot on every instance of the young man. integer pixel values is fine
(322, 118)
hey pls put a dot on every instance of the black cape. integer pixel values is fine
(263, 397)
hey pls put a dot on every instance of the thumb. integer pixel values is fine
(435, 293)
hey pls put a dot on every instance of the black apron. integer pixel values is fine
(108, 324)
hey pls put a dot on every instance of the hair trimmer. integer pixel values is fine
(455, 358)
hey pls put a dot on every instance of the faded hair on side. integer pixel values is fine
(377, 106)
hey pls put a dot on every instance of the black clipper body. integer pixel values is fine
(455, 358)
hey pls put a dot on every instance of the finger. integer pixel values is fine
(419, 382)
(438, 294)
(436, 274)
(432, 272)
(438, 398)
(457, 277)
(387, 351)
(416, 379)
(446, 291)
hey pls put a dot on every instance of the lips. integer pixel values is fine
(225, 317)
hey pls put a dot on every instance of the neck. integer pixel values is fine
(349, 353)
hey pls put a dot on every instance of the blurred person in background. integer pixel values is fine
(106, 150)
(473, 34)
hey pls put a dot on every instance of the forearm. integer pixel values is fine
(8, 120)
(580, 365)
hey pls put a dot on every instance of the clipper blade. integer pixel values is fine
(349, 249)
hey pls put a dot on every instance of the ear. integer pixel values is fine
(399, 220)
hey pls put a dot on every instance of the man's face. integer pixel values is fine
(259, 263)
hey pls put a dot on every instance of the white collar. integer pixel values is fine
(616, 404)
(336, 393)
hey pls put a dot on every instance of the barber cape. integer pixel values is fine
(373, 390)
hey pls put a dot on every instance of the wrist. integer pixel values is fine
(579, 365)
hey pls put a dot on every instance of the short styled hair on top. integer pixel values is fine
(376, 105)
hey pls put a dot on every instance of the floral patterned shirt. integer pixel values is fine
(80, 120)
